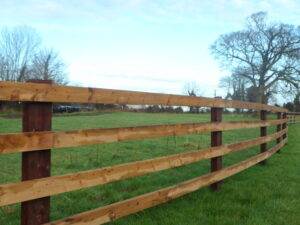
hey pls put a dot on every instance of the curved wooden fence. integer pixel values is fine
(37, 139)
(293, 117)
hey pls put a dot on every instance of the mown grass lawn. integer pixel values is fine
(262, 195)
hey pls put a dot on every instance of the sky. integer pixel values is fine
(143, 45)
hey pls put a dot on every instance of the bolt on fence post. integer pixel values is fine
(216, 140)
(279, 128)
(37, 116)
(263, 132)
(284, 125)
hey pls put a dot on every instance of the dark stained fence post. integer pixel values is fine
(284, 124)
(37, 116)
(216, 140)
(263, 132)
(279, 127)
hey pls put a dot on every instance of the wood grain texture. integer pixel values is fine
(120, 209)
(216, 140)
(279, 126)
(31, 141)
(263, 132)
(14, 91)
(37, 116)
(284, 125)
(23, 191)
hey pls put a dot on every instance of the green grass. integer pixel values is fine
(261, 195)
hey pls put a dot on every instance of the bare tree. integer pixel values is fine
(22, 58)
(47, 65)
(266, 54)
(192, 89)
(297, 102)
(17, 47)
(3, 68)
(235, 86)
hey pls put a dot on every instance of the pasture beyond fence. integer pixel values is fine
(37, 140)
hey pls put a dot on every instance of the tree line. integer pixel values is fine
(262, 59)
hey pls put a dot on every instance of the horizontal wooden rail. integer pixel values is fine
(293, 113)
(31, 141)
(38, 188)
(120, 209)
(293, 117)
(13, 91)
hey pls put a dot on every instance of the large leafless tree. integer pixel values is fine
(17, 46)
(266, 54)
(22, 57)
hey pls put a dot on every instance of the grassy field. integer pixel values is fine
(262, 195)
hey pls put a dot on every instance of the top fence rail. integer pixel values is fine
(33, 92)
(294, 113)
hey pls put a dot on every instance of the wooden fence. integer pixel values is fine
(37, 139)
(293, 117)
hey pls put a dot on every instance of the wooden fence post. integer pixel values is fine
(263, 132)
(289, 118)
(279, 128)
(37, 116)
(284, 125)
(294, 118)
(216, 140)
